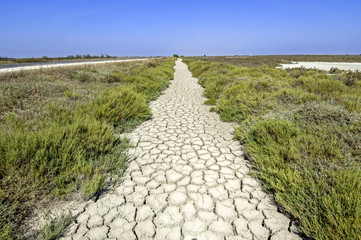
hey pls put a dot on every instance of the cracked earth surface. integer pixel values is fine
(187, 180)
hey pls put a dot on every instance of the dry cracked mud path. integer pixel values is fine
(187, 180)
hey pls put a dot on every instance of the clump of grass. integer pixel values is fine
(121, 104)
(54, 227)
(73, 152)
(302, 130)
(312, 174)
(334, 70)
(86, 75)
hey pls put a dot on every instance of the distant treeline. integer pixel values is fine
(5, 60)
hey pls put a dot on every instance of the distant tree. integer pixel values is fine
(78, 56)
(176, 55)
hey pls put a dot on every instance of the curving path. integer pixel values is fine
(188, 180)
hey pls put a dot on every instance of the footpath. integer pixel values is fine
(187, 179)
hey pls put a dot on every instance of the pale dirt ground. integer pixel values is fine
(187, 179)
(16, 69)
(325, 65)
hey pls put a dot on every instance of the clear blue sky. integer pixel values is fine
(188, 27)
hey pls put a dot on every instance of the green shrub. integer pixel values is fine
(121, 104)
(85, 75)
(22, 95)
(58, 152)
(295, 96)
(54, 228)
(152, 64)
(274, 138)
(334, 133)
(321, 193)
(5, 232)
(321, 86)
(116, 77)
(334, 70)
(326, 113)
(56, 158)
(91, 186)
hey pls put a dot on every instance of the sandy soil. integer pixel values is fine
(325, 65)
(14, 69)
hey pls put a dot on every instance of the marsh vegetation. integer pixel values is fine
(302, 132)
(59, 130)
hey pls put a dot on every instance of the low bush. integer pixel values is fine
(54, 228)
(57, 158)
(120, 104)
(311, 173)
(86, 75)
